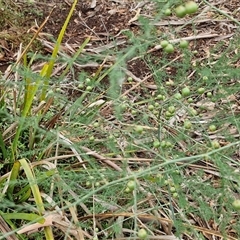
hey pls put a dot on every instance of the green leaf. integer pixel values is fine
(24, 216)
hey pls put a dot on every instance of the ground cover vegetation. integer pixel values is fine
(119, 119)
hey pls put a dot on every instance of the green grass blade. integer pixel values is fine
(56, 49)
(24, 216)
(13, 178)
(36, 194)
(3, 147)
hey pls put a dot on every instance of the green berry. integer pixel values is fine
(160, 97)
(178, 96)
(88, 80)
(168, 114)
(215, 144)
(96, 124)
(212, 128)
(171, 109)
(187, 124)
(150, 107)
(156, 104)
(169, 48)
(209, 94)
(180, 11)
(186, 92)
(123, 106)
(142, 233)
(139, 129)
(89, 88)
(91, 138)
(201, 90)
(163, 144)
(191, 7)
(205, 78)
(80, 85)
(236, 204)
(168, 12)
(156, 144)
(175, 195)
(183, 44)
(164, 43)
(131, 185)
(168, 144)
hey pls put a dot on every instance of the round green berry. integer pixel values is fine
(150, 107)
(142, 233)
(164, 43)
(183, 44)
(169, 48)
(180, 11)
(201, 90)
(171, 109)
(187, 124)
(215, 144)
(178, 96)
(212, 128)
(168, 12)
(236, 204)
(139, 129)
(191, 7)
(89, 88)
(131, 185)
(186, 92)
(156, 144)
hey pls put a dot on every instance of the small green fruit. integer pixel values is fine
(88, 80)
(80, 85)
(168, 114)
(236, 204)
(160, 97)
(131, 185)
(191, 7)
(169, 144)
(168, 12)
(150, 107)
(212, 128)
(175, 195)
(92, 138)
(186, 92)
(183, 44)
(215, 144)
(130, 79)
(156, 144)
(169, 48)
(178, 96)
(209, 94)
(180, 11)
(163, 144)
(139, 129)
(96, 124)
(201, 90)
(187, 124)
(142, 233)
(164, 43)
(205, 78)
(171, 109)
(89, 88)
